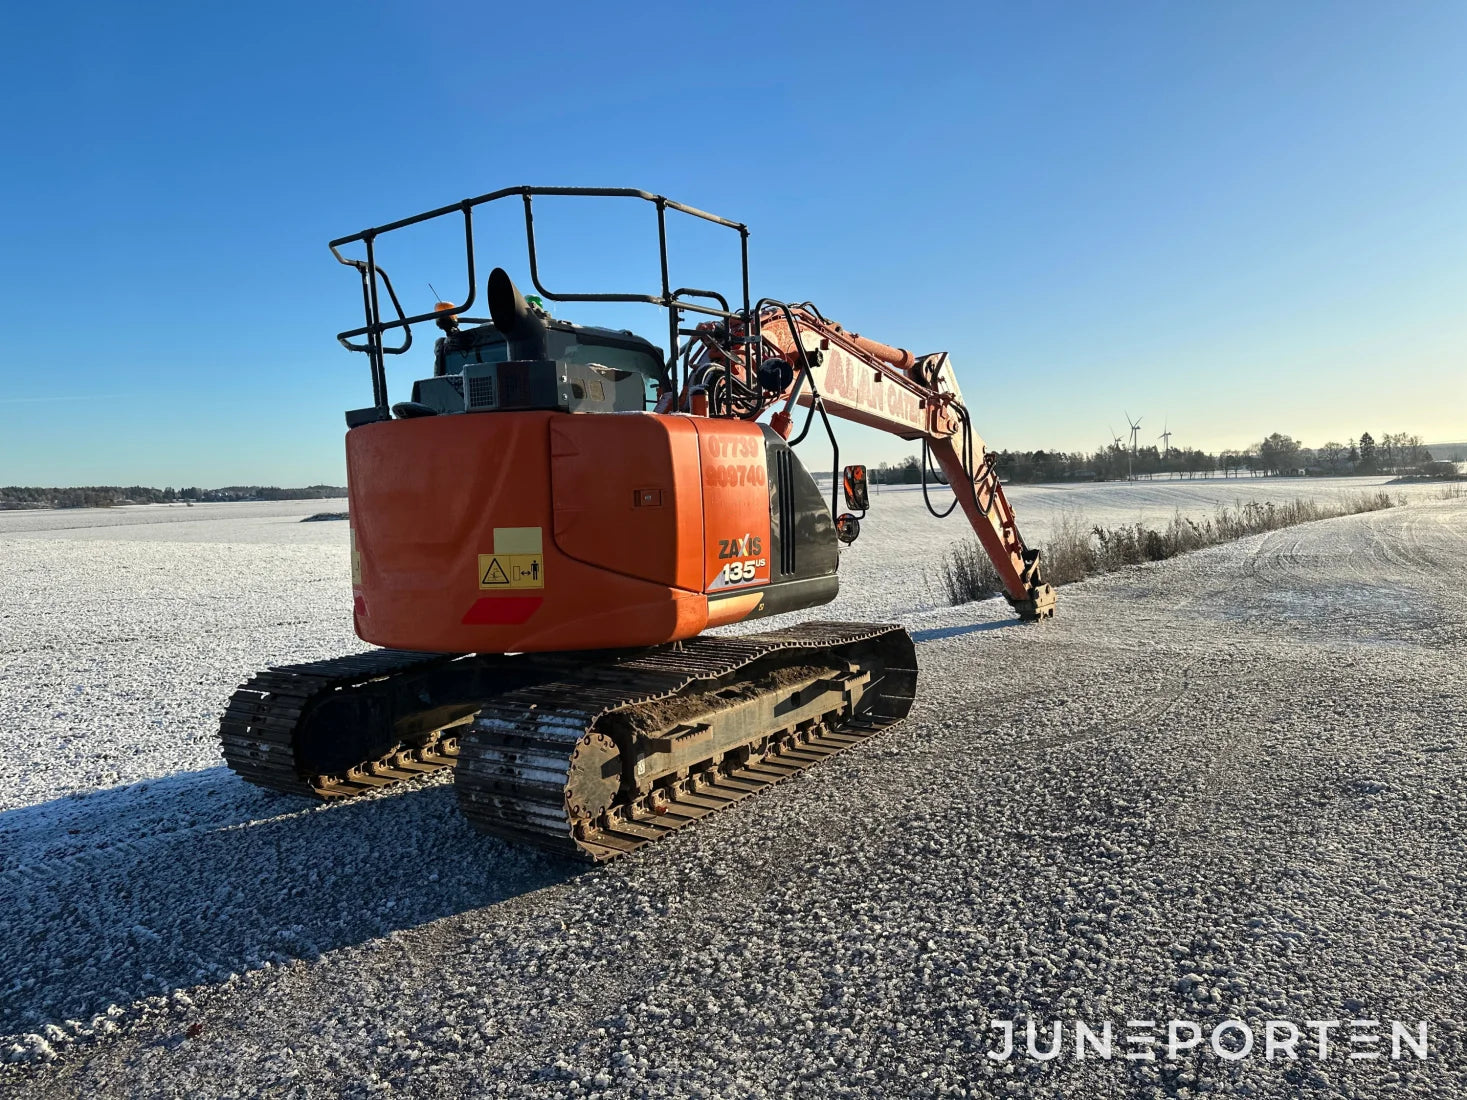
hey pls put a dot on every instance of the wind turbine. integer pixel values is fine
(1115, 441)
(1135, 430)
(1166, 439)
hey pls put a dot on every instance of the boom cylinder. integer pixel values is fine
(900, 358)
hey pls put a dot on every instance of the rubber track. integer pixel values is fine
(259, 725)
(515, 757)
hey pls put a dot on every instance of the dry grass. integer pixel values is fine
(1078, 549)
(967, 574)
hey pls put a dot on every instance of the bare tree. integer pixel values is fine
(1279, 454)
(1388, 451)
(1416, 452)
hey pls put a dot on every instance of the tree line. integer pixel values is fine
(1396, 453)
(107, 496)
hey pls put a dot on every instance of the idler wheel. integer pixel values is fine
(594, 777)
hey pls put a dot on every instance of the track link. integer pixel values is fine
(590, 755)
(537, 765)
(259, 729)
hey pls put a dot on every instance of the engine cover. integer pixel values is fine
(542, 530)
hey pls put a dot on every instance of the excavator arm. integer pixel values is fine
(805, 360)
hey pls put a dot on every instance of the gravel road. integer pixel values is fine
(1227, 786)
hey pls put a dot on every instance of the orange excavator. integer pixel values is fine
(542, 535)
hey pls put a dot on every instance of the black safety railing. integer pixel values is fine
(375, 280)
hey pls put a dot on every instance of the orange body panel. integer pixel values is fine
(736, 505)
(615, 498)
(531, 531)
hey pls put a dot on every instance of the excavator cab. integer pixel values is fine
(522, 358)
(576, 368)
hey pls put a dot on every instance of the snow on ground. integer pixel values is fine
(1225, 785)
(123, 630)
(242, 521)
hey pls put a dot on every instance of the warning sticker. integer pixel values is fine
(526, 571)
(518, 560)
(511, 571)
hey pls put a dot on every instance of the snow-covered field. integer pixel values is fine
(1226, 785)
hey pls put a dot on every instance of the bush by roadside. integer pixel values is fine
(1078, 549)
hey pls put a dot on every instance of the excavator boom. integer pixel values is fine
(910, 396)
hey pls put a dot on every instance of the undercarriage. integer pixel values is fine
(591, 755)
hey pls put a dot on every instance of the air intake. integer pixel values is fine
(785, 484)
(481, 392)
(481, 387)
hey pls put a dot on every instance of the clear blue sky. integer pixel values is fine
(1242, 217)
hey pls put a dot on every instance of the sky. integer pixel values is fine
(1228, 219)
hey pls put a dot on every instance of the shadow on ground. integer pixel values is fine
(141, 890)
(938, 633)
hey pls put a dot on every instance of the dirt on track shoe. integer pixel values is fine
(329, 729)
(631, 748)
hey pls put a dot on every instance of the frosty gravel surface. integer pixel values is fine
(1228, 785)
